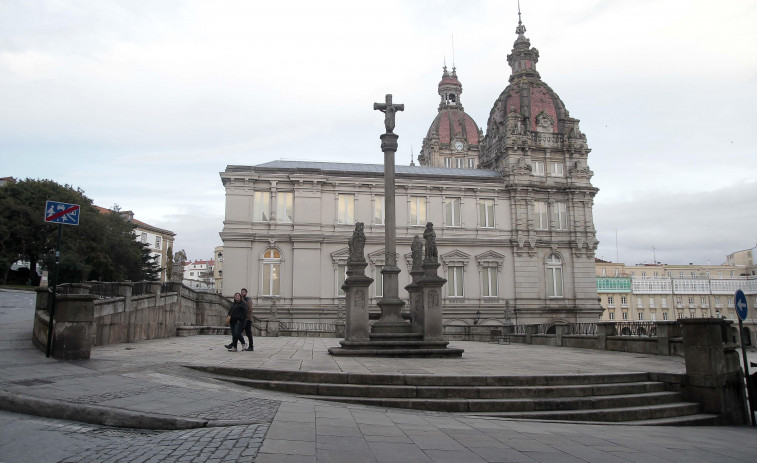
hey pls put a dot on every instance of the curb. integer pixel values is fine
(94, 414)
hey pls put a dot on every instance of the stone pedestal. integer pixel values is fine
(73, 327)
(415, 301)
(356, 296)
(431, 314)
(713, 374)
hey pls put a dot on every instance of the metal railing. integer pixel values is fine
(583, 329)
(303, 326)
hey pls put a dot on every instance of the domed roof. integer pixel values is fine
(527, 95)
(452, 122)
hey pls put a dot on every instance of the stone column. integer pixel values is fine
(390, 304)
(74, 322)
(713, 374)
(604, 329)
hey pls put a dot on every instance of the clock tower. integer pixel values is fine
(453, 138)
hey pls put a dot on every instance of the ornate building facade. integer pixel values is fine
(512, 212)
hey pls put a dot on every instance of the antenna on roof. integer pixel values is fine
(453, 52)
(412, 163)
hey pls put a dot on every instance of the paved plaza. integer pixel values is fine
(147, 384)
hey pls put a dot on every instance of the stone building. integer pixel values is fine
(671, 292)
(515, 235)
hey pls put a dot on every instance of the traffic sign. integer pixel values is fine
(741, 306)
(67, 214)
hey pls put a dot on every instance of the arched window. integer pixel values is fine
(554, 276)
(271, 272)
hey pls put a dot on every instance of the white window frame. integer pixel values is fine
(541, 218)
(486, 213)
(448, 163)
(560, 215)
(271, 271)
(452, 212)
(285, 207)
(489, 283)
(459, 163)
(471, 163)
(538, 168)
(554, 277)
(261, 206)
(556, 169)
(418, 210)
(346, 209)
(379, 210)
(455, 281)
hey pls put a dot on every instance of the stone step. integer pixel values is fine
(450, 392)
(699, 419)
(403, 351)
(394, 343)
(493, 407)
(421, 380)
(617, 414)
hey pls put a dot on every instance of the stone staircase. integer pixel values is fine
(622, 398)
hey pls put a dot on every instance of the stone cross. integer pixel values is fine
(389, 109)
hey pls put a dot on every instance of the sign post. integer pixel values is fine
(60, 213)
(742, 310)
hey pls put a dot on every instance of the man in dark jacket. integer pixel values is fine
(248, 322)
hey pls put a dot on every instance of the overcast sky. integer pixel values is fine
(143, 103)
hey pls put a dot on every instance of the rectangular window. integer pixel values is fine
(379, 281)
(612, 315)
(717, 301)
(538, 168)
(691, 301)
(471, 163)
(486, 213)
(703, 301)
(489, 276)
(554, 282)
(378, 210)
(651, 302)
(261, 207)
(341, 275)
(664, 302)
(556, 169)
(639, 302)
(284, 207)
(447, 162)
(346, 213)
(617, 272)
(157, 242)
(641, 315)
(459, 163)
(664, 315)
(560, 216)
(540, 215)
(455, 281)
(611, 301)
(625, 315)
(271, 281)
(417, 210)
(144, 238)
(452, 212)
(624, 301)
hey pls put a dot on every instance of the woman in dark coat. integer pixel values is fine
(238, 313)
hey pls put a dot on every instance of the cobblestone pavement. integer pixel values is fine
(39, 440)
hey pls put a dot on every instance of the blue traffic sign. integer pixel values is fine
(64, 213)
(741, 306)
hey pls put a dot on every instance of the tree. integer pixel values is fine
(169, 263)
(101, 247)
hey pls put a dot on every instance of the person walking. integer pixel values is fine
(248, 321)
(238, 314)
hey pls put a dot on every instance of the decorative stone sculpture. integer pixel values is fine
(356, 244)
(432, 255)
(389, 110)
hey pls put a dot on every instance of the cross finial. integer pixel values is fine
(521, 29)
(388, 109)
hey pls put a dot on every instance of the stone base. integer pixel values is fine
(396, 345)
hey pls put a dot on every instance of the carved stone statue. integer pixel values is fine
(389, 110)
(416, 251)
(432, 255)
(357, 244)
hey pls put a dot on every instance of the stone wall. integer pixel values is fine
(124, 317)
